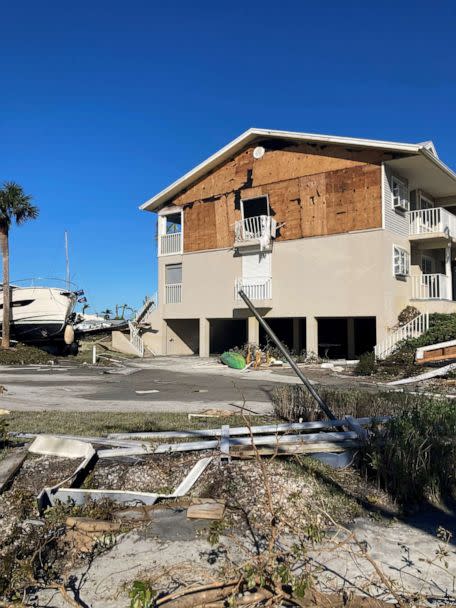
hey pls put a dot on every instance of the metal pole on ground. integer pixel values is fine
(322, 405)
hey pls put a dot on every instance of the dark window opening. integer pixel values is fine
(253, 207)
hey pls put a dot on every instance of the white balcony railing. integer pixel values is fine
(254, 288)
(170, 243)
(259, 228)
(173, 293)
(431, 287)
(429, 221)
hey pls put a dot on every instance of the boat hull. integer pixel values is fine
(39, 314)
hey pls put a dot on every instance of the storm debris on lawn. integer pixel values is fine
(106, 495)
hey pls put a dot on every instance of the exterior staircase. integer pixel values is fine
(141, 319)
(415, 328)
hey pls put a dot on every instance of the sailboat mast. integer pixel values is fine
(67, 258)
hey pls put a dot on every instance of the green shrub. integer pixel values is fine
(366, 365)
(415, 458)
(442, 327)
(294, 402)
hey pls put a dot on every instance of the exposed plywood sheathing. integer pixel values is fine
(313, 190)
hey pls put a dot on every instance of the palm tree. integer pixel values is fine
(15, 206)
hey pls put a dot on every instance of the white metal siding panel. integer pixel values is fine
(395, 221)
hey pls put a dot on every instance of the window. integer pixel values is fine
(173, 283)
(425, 203)
(170, 232)
(400, 194)
(400, 262)
(173, 223)
(173, 274)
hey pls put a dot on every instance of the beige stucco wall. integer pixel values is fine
(346, 275)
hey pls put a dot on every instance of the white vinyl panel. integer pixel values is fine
(256, 265)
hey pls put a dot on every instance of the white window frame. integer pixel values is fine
(402, 201)
(161, 220)
(401, 268)
(252, 198)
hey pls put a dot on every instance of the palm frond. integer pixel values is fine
(15, 205)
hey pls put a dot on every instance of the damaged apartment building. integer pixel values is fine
(330, 237)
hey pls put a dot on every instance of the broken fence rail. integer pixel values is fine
(252, 430)
(270, 440)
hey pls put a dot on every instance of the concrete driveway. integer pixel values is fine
(185, 384)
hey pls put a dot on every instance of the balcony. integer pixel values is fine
(258, 230)
(169, 244)
(173, 293)
(254, 288)
(431, 287)
(432, 223)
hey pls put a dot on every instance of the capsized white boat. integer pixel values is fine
(41, 314)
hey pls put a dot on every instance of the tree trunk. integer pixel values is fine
(6, 290)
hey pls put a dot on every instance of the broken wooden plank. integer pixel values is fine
(247, 452)
(88, 524)
(436, 352)
(207, 510)
(9, 466)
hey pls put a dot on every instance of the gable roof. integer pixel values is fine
(426, 149)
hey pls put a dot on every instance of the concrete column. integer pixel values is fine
(204, 337)
(448, 272)
(164, 338)
(297, 335)
(253, 331)
(351, 337)
(311, 336)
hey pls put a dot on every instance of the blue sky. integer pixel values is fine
(103, 104)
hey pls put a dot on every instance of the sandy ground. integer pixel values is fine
(184, 384)
(406, 555)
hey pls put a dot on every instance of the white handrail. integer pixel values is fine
(135, 339)
(428, 221)
(415, 328)
(430, 287)
(255, 288)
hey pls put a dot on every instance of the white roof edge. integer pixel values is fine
(436, 160)
(253, 133)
